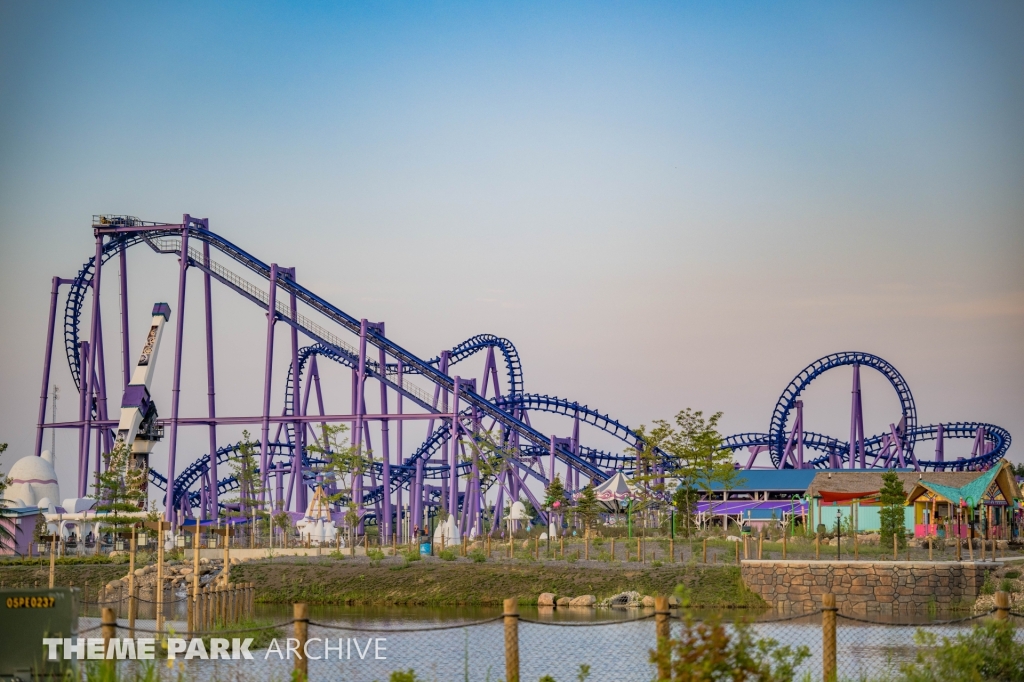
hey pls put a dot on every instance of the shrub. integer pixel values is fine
(989, 586)
(404, 676)
(1007, 585)
(478, 556)
(413, 555)
(656, 563)
(1013, 575)
(988, 652)
(375, 554)
(571, 558)
(708, 651)
(447, 554)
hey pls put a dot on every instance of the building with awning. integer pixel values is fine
(987, 502)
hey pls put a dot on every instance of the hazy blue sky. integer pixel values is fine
(662, 205)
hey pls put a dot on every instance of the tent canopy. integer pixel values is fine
(614, 491)
(974, 492)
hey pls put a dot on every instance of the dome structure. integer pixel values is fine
(33, 479)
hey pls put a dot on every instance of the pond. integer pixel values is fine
(367, 643)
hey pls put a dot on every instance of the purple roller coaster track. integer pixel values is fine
(480, 447)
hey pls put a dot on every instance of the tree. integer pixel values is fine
(347, 463)
(245, 468)
(696, 458)
(685, 501)
(588, 507)
(893, 499)
(120, 490)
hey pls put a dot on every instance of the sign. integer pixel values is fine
(26, 617)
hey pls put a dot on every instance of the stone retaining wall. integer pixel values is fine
(866, 586)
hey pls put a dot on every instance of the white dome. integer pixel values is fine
(32, 479)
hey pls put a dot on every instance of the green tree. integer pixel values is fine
(346, 462)
(588, 507)
(685, 500)
(120, 490)
(893, 499)
(245, 467)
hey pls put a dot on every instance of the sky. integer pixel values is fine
(662, 205)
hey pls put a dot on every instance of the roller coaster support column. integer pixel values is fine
(268, 368)
(45, 391)
(83, 462)
(179, 331)
(210, 509)
(360, 410)
(385, 527)
(86, 383)
(416, 495)
(940, 454)
(123, 277)
(101, 390)
(298, 427)
(453, 496)
(398, 445)
(856, 452)
(551, 458)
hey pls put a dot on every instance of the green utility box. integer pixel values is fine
(26, 617)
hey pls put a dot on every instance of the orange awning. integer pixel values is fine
(829, 496)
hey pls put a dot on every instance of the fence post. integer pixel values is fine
(672, 550)
(817, 545)
(53, 557)
(783, 545)
(109, 621)
(1002, 605)
(301, 617)
(828, 637)
(705, 544)
(663, 645)
(511, 617)
(895, 547)
(586, 548)
(133, 608)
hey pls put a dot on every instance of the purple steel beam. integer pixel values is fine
(856, 449)
(45, 390)
(101, 386)
(83, 403)
(86, 380)
(385, 452)
(298, 428)
(258, 419)
(398, 443)
(416, 495)
(210, 509)
(98, 455)
(360, 408)
(940, 448)
(125, 353)
(453, 497)
(179, 333)
(268, 368)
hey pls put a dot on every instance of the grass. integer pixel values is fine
(446, 583)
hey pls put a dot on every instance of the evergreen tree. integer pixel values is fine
(893, 499)
(121, 490)
(588, 507)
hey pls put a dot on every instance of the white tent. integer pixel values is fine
(449, 530)
(613, 492)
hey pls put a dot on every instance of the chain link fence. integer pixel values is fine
(510, 647)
